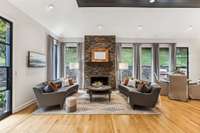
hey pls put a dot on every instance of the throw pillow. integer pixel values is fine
(54, 86)
(132, 83)
(47, 89)
(65, 82)
(139, 86)
(126, 81)
(146, 89)
(71, 82)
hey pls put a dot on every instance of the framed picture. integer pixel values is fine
(36, 59)
(100, 55)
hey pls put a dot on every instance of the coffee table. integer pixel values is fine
(103, 90)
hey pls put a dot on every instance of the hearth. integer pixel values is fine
(102, 79)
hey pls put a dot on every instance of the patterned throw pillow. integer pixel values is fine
(126, 81)
(54, 86)
(71, 82)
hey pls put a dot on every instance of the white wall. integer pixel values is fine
(28, 35)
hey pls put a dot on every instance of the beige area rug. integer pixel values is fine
(100, 105)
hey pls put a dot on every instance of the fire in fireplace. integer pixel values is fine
(102, 79)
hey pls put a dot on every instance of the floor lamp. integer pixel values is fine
(74, 66)
(122, 66)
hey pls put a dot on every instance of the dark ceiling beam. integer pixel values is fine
(140, 3)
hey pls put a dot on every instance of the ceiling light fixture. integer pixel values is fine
(50, 6)
(100, 27)
(140, 27)
(152, 1)
(190, 28)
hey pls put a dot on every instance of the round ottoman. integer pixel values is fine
(70, 104)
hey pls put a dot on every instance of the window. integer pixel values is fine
(5, 67)
(72, 61)
(164, 60)
(127, 58)
(182, 60)
(146, 63)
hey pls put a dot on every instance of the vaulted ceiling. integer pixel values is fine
(68, 20)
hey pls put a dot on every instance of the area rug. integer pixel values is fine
(99, 105)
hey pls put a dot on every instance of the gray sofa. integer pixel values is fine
(137, 98)
(53, 98)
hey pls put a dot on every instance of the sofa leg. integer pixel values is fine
(133, 107)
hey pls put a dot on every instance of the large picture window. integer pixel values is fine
(127, 59)
(146, 63)
(164, 60)
(5, 67)
(182, 60)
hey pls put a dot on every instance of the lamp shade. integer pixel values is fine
(74, 66)
(123, 66)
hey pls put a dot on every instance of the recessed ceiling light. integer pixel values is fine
(190, 28)
(152, 1)
(140, 27)
(51, 6)
(100, 27)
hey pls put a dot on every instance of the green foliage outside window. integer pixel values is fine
(164, 56)
(70, 55)
(2, 100)
(2, 39)
(146, 57)
(127, 55)
(181, 57)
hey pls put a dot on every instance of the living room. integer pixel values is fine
(75, 65)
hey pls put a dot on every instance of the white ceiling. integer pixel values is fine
(67, 20)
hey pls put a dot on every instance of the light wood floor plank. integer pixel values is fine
(176, 117)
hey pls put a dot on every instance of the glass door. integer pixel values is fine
(182, 60)
(127, 61)
(146, 65)
(5, 67)
(72, 67)
(164, 60)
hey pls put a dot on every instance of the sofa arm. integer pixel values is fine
(143, 99)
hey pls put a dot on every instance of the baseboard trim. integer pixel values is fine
(23, 106)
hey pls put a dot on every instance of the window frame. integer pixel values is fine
(146, 45)
(8, 68)
(187, 48)
(170, 53)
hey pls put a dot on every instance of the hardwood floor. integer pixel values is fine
(176, 117)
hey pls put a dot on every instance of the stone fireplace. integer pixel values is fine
(100, 71)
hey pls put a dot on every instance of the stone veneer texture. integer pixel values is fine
(100, 69)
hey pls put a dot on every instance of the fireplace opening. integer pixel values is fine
(104, 80)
